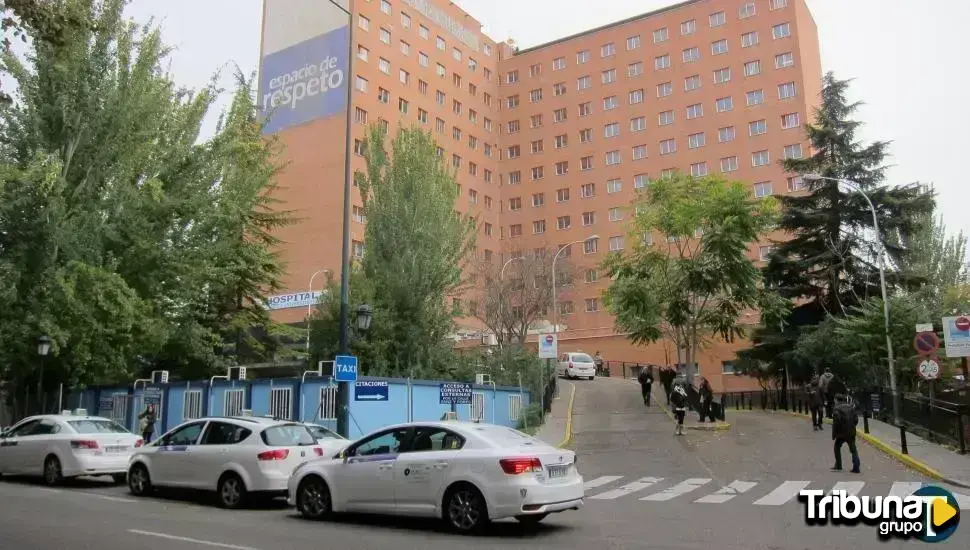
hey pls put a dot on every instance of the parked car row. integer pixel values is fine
(465, 473)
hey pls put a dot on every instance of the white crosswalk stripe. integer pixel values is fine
(728, 492)
(681, 488)
(638, 485)
(770, 493)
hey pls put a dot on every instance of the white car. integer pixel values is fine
(330, 441)
(465, 473)
(234, 456)
(576, 365)
(64, 446)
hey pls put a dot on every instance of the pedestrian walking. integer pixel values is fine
(646, 382)
(823, 385)
(147, 422)
(598, 361)
(706, 398)
(815, 404)
(845, 418)
(678, 399)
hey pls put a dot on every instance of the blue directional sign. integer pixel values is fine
(153, 396)
(345, 368)
(455, 393)
(371, 390)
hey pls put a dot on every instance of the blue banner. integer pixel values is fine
(305, 82)
(371, 390)
(457, 393)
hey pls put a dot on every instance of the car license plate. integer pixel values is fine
(557, 471)
(116, 449)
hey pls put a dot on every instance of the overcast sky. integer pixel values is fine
(899, 52)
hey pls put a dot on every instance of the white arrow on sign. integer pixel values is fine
(377, 397)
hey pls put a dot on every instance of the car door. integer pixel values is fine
(173, 454)
(10, 450)
(34, 444)
(365, 480)
(209, 458)
(561, 365)
(423, 469)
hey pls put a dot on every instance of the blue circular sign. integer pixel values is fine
(938, 533)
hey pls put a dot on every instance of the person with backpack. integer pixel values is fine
(678, 399)
(845, 418)
(646, 382)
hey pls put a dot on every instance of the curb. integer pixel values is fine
(881, 445)
(568, 436)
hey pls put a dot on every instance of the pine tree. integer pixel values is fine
(830, 262)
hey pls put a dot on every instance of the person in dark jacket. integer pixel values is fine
(845, 418)
(706, 393)
(815, 404)
(646, 382)
(147, 418)
(678, 400)
(823, 385)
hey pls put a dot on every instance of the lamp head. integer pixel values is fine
(43, 345)
(364, 317)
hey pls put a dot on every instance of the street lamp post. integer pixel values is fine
(501, 277)
(43, 348)
(343, 392)
(309, 307)
(882, 281)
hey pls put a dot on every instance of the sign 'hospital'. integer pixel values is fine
(295, 299)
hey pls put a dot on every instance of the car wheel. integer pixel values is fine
(53, 475)
(465, 510)
(531, 519)
(139, 481)
(119, 479)
(313, 498)
(231, 491)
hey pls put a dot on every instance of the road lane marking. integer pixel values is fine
(187, 539)
(903, 489)
(851, 488)
(681, 488)
(108, 497)
(638, 485)
(600, 481)
(782, 494)
(728, 492)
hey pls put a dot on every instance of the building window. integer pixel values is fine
(746, 10)
(762, 189)
(404, 76)
(757, 127)
(616, 242)
(780, 31)
(640, 181)
(749, 39)
(717, 19)
(582, 57)
(385, 35)
(561, 141)
(592, 304)
(634, 69)
(386, 7)
(729, 164)
(638, 124)
(606, 50)
(586, 135)
(589, 218)
(719, 47)
(696, 140)
(361, 84)
(661, 62)
(586, 163)
(586, 191)
(515, 204)
(722, 75)
(512, 101)
(609, 76)
(668, 147)
(585, 109)
(515, 230)
(755, 97)
(795, 183)
(363, 22)
(695, 111)
(538, 172)
(559, 88)
(565, 308)
(609, 103)
(559, 115)
(633, 42)
(536, 146)
(786, 90)
(764, 253)
(583, 82)
(615, 214)
(562, 168)
(591, 246)
(752, 68)
(778, 4)
(784, 60)
(360, 116)
(690, 55)
(423, 31)
(562, 195)
(698, 169)
(535, 96)
(515, 177)
(440, 43)
(358, 249)
(793, 151)
(611, 130)
(639, 152)
(559, 63)
(538, 227)
(362, 53)
(612, 157)
(725, 134)
(535, 121)
(688, 27)
(405, 20)
(405, 48)
(562, 222)
(402, 105)
(384, 65)
(727, 367)
(760, 158)
(512, 126)
(660, 35)
(636, 96)
(724, 104)
(664, 89)
(692, 82)
(664, 118)
(513, 152)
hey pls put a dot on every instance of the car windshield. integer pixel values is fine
(96, 427)
(581, 358)
(320, 432)
(289, 435)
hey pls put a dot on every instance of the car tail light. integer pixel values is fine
(571, 365)
(84, 444)
(522, 465)
(318, 451)
(139, 443)
(275, 454)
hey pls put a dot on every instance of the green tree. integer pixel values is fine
(418, 246)
(697, 280)
(830, 262)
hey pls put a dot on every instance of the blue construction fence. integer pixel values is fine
(315, 400)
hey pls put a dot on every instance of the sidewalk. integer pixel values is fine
(951, 467)
(554, 430)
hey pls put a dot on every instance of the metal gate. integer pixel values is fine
(234, 402)
(119, 408)
(281, 403)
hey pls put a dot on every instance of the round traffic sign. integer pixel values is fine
(926, 343)
(929, 368)
(963, 324)
(550, 338)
